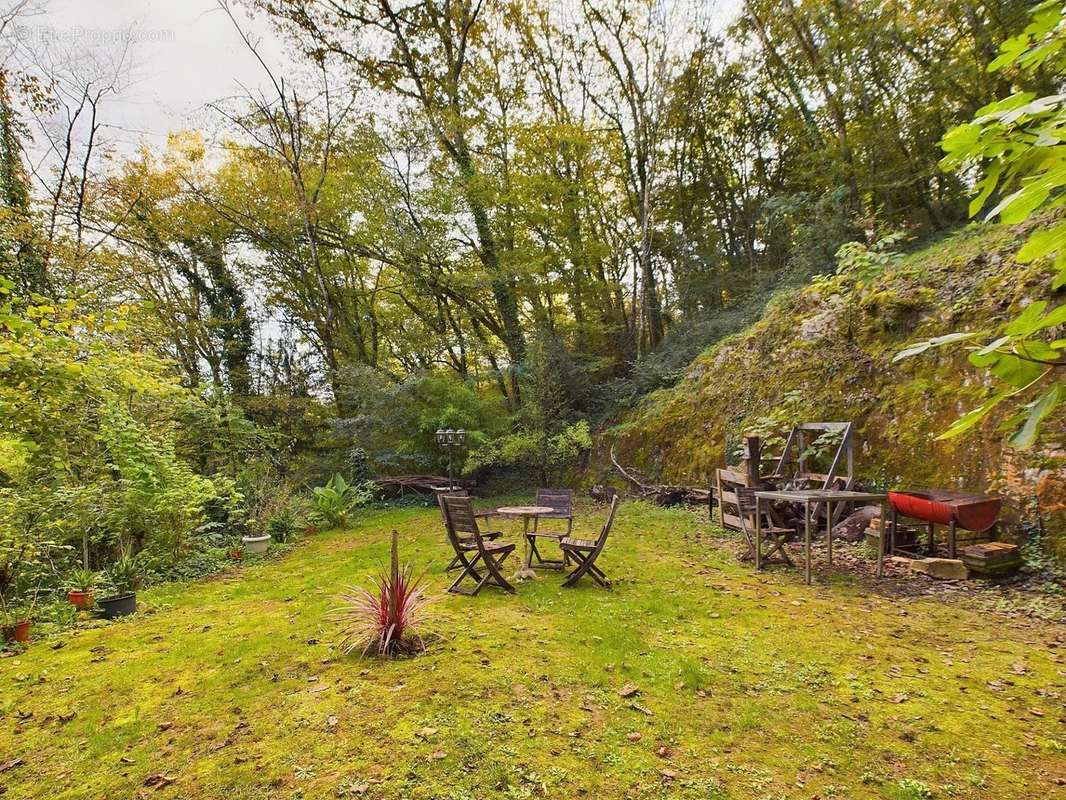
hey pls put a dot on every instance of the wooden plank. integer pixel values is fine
(823, 426)
(732, 476)
(732, 522)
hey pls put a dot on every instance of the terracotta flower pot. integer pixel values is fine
(17, 632)
(82, 601)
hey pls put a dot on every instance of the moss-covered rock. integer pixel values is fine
(828, 349)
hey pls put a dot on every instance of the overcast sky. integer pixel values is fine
(186, 54)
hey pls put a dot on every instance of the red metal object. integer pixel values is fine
(971, 512)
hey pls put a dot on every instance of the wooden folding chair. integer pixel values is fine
(561, 501)
(475, 553)
(774, 537)
(585, 552)
(454, 564)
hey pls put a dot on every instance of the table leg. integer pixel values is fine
(951, 539)
(525, 537)
(807, 542)
(881, 541)
(829, 529)
(525, 571)
(891, 547)
(758, 535)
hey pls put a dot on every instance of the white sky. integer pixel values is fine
(186, 54)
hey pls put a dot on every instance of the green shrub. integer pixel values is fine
(337, 499)
(543, 453)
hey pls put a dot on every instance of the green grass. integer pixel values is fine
(757, 686)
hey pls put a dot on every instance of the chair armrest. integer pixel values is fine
(485, 514)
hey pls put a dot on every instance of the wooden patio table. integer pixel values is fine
(526, 513)
(809, 497)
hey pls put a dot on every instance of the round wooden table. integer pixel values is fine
(526, 513)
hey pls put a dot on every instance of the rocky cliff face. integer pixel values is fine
(824, 353)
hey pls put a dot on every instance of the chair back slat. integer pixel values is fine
(745, 500)
(453, 539)
(606, 530)
(560, 501)
(460, 512)
(450, 492)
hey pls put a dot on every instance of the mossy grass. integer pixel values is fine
(750, 685)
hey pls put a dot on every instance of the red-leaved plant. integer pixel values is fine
(386, 618)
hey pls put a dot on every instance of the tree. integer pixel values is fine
(425, 61)
(1017, 143)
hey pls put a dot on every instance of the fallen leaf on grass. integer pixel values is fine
(437, 755)
(15, 762)
(668, 774)
(641, 709)
(1036, 712)
(159, 781)
(426, 732)
(902, 697)
(629, 690)
(633, 737)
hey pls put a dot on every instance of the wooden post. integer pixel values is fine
(394, 572)
(752, 459)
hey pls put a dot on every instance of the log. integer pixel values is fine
(644, 488)
(853, 528)
(418, 484)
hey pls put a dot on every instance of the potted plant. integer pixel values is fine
(124, 578)
(15, 622)
(81, 583)
(255, 541)
(25, 567)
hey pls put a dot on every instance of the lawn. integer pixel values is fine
(750, 685)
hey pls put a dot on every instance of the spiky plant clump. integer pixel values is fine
(387, 618)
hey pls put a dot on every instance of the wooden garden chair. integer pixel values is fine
(774, 537)
(479, 557)
(454, 564)
(561, 501)
(584, 552)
